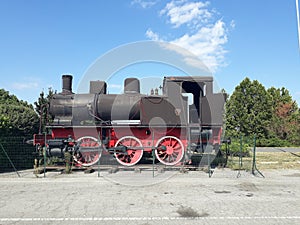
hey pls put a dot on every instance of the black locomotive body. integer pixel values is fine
(186, 118)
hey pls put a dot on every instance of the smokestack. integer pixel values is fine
(67, 84)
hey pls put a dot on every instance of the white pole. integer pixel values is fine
(298, 22)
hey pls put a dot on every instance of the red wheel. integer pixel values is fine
(88, 153)
(133, 155)
(169, 150)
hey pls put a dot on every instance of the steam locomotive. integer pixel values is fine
(186, 118)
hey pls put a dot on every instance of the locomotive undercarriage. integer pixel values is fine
(129, 145)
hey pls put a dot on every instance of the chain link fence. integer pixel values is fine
(242, 155)
(15, 153)
(245, 155)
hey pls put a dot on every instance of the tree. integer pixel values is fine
(4, 122)
(285, 117)
(294, 136)
(18, 118)
(42, 108)
(248, 110)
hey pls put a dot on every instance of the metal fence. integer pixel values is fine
(242, 155)
(15, 153)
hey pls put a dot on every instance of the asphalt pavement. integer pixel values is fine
(278, 149)
(130, 197)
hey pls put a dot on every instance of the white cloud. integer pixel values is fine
(232, 24)
(115, 86)
(151, 35)
(25, 85)
(207, 37)
(144, 4)
(190, 13)
(207, 43)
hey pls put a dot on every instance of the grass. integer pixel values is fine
(267, 160)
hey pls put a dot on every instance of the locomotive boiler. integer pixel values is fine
(186, 118)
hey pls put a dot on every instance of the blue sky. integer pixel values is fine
(41, 40)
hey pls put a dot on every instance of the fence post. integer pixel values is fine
(153, 154)
(100, 149)
(254, 154)
(254, 158)
(45, 154)
(240, 156)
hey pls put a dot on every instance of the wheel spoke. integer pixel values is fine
(175, 154)
(173, 150)
(84, 157)
(177, 148)
(174, 143)
(165, 156)
(133, 155)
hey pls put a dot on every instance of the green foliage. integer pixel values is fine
(272, 142)
(279, 96)
(236, 147)
(42, 108)
(4, 121)
(248, 110)
(294, 134)
(6, 98)
(21, 120)
(17, 118)
(270, 114)
(284, 127)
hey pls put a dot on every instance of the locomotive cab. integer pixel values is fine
(206, 105)
(205, 111)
